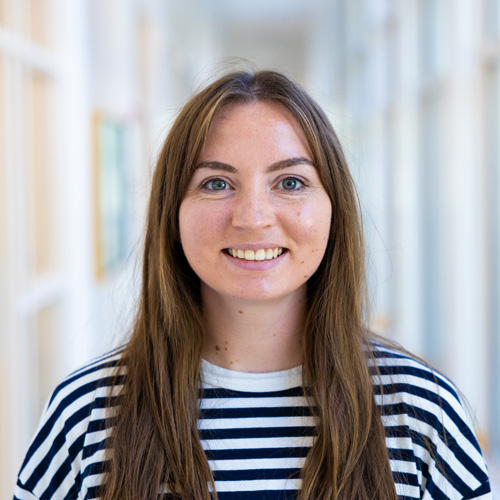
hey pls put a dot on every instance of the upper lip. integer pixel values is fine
(254, 246)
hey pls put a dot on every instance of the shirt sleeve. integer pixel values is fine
(433, 449)
(456, 466)
(51, 467)
(21, 494)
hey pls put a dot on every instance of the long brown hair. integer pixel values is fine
(155, 441)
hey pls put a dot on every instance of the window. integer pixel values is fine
(492, 111)
(31, 281)
(433, 250)
(492, 19)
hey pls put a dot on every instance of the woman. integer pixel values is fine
(249, 373)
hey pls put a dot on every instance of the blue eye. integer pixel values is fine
(216, 185)
(290, 184)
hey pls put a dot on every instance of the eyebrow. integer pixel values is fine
(279, 165)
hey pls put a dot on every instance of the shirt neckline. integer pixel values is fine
(218, 377)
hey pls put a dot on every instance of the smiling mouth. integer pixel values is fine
(261, 254)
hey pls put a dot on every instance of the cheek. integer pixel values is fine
(199, 225)
(314, 223)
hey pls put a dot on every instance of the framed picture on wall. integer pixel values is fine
(113, 144)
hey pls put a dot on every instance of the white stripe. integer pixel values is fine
(403, 466)
(258, 485)
(399, 443)
(257, 463)
(255, 423)
(277, 402)
(406, 490)
(22, 494)
(257, 443)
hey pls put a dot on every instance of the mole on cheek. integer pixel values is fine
(241, 312)
(217, 348)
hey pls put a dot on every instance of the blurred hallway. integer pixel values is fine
(88, 89)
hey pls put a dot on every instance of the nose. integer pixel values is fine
(253, 210)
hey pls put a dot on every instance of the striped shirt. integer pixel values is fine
(256, 429)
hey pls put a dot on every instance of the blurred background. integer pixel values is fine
(88, 89)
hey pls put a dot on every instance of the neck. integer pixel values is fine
(254, 336)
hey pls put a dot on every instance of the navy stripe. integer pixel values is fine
(257, 432)
(256, 453)
(285, 411)
(215, 393)
(255, 474)
(92, 449)
(405, 478)
(93, 492)
(260, 495)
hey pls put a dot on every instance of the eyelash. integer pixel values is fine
(302, 184)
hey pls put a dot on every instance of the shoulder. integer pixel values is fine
(54, 458)
(397, 370)
(428, 430)
(83, 389)
(409, 390)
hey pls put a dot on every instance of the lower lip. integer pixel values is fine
(255, 265)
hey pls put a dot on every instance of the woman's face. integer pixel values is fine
(255, 219)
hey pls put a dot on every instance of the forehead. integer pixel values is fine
(260, 125)
(253, 112)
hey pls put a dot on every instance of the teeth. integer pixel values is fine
(261, 254)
